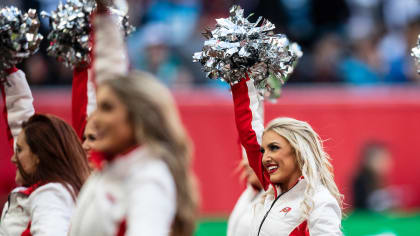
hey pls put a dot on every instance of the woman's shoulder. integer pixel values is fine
(140, 167)
(150, 164)
(323, 196)
(49, 192)
(51, 186)
(146, 166)
(154, 168)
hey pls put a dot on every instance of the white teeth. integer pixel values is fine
(270, 168)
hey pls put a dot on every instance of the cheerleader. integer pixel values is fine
(240, 220)
(144, 187)
(89, 137)
(51, 166)
(288, 157)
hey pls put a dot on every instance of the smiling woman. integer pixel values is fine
(89, 137)
(145, 186)
(279, 160)
(27, 160)
(287, 156)
(48, 150)
(114, 131)
(51, 166)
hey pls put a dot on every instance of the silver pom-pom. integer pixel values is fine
(19, 37)
(70, 31)
(415, 52)
(237, 48)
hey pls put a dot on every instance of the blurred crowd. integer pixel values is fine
(357, 42)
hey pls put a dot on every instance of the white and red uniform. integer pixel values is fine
(36, 210)
(285, 216)
(240, 220)
(134, 194)
(281, 217)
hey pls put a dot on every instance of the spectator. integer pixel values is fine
(326, 55)
(363, 65)
(159, 60)
(180, 16)
(16, 3)
(400, 18)
(370, 187)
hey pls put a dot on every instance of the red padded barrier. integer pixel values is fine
(345, 117)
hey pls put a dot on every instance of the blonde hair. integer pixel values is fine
(157, 124)
(312, 160)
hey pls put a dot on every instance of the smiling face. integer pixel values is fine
(115, 133)
(89, 137)
(23, 155)
(279, 160)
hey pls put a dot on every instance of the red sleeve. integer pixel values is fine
(108, 57)
(79, 100)
(4, 115)
(84, 90)
(249, 126)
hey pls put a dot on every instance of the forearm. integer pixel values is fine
(18, 101)
(109, 52)
(83, 98)
(249, 123)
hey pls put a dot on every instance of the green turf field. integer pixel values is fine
(355, 224)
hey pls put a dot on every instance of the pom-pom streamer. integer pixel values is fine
(19, 37)
(70, 30)
(236, 47)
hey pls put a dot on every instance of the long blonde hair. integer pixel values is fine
(157, 124)
(313, 161)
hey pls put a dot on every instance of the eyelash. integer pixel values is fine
(106, 107)
(89, 137)
(273, 147)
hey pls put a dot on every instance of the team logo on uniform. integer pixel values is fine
(110, 197)
(286, 210)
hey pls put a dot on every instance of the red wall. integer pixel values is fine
(345, 117)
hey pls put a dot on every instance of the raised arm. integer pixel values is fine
(109, 58)
(18, 102)
(83, 98)
(248, 107)
(110, 54)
